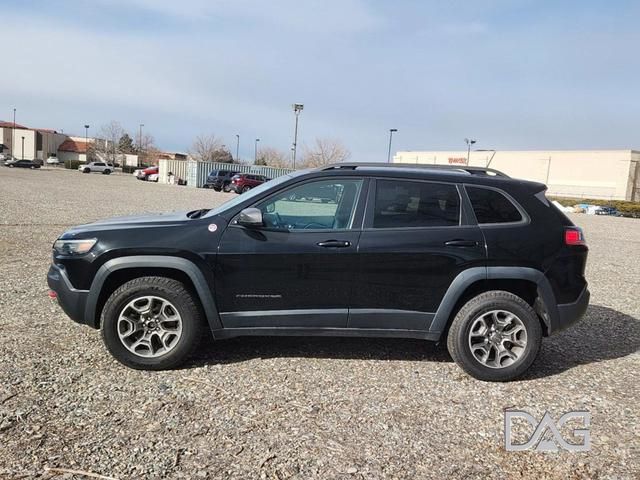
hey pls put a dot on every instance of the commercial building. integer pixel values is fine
(29, 143)
(598, 174)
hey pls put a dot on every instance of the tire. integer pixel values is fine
(217, 189)
(168, 290)
(107, 172)
(482, 310)
(11, 166)
(226, 187)
(86, 170)
(246, 189)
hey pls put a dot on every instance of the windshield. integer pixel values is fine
(255, 192)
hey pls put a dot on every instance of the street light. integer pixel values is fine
(86, 143)
(297, 108)
(469, 142)
(391, 131)
(255, 153)
(237, 148)
(140, 142)
(13, 132)
(23, 148)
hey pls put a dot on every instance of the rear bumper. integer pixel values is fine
(72, 301)
(570, 313)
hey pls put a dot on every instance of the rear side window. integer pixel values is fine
(402, 204)
(491, 206)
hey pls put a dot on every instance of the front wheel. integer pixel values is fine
(151, 323)
(495, 336)
(246, 189)
(86, 170)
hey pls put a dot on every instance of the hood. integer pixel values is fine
(132, 221)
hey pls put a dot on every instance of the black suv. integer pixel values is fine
(463, 255)
(219, 180)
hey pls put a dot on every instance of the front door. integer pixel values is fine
(414, 243)
(298, 269)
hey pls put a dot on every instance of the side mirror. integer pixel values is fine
(250, 217)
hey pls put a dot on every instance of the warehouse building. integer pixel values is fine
(29, 143)
(598, 174)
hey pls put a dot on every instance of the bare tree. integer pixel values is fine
(273, 157)
(324, 151)
(206, 148)
(106, 145)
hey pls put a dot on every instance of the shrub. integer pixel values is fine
(72, 164)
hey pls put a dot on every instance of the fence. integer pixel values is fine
(195, 173)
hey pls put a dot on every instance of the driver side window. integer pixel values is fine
(321, 205)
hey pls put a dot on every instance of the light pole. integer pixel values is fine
(237, 148)
(22, 148)
(86, 143)
(255, 153)
(13, 132)
(297, 108)
(140, 142)
(469, 142)
(391, 131)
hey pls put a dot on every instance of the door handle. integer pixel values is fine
(334, 244)
(461, 243)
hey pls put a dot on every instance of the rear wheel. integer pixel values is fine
(495, 336)
(107, 172)
(226, 187)
(151, 323)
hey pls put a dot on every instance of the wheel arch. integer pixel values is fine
(117, 271)
(528, 283)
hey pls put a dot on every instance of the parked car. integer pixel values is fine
(219, 180)
(101, 167)
(53, 161)
(22, 164)
(607, 210)
(462, 255)
(144, 173)
(243, 182)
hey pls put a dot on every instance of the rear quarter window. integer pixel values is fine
(492, 206)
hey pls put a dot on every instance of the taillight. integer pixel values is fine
(574, 236)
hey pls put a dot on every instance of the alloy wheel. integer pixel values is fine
(497, 339)
(149, 326)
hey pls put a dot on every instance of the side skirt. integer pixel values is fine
(325, 332)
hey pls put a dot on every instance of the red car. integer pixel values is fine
(243, 182)
(144, 174)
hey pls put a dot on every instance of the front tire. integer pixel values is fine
(495, 336)
(246, 189)
(151, 323)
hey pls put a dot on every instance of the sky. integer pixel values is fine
(512, 74)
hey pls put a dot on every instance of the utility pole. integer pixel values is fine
(391, 130)
(140, 142)
(22, 148)
(237, 148)
(297, 108)
(255, 153)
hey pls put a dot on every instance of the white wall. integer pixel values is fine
(29, 144)
(572, 173)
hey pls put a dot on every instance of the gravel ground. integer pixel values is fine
(290, 407)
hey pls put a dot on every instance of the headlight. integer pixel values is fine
(74, 247)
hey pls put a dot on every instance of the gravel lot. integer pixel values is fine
(290, 407)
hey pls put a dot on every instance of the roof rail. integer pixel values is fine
(427, 166)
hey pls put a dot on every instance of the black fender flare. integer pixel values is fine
(150, 261)
(548, 311)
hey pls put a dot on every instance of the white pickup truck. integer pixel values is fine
(102, 167)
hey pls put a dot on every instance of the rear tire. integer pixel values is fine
(107, 172)
(501, 353)
(132, 312)
(226, 187)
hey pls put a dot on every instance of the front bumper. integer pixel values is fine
(72, 301)
(570, 313)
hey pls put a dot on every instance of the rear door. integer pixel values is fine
(298, 270)
(416, 239)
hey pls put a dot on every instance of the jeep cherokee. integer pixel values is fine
(462, 255)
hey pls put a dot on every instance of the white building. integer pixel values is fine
(29, 143)
(601, 174)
